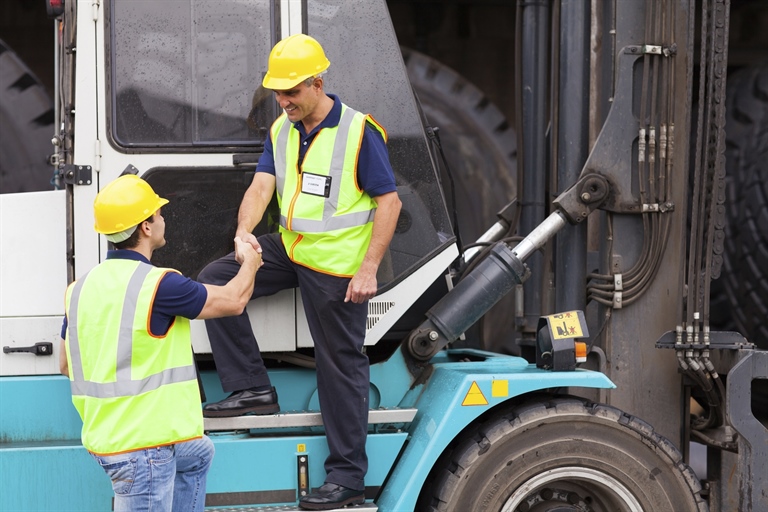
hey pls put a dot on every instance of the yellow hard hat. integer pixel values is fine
(292, 60)
(124, 203)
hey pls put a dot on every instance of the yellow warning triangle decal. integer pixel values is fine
(474, 396)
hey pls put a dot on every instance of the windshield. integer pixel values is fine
(368, 74)
(186, 72)
(208, 98)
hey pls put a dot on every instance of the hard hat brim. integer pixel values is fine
(282, 84)
(161, 201)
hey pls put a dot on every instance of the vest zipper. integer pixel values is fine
(295, 243)
(296, 193)
(289, 220)
(295, 197)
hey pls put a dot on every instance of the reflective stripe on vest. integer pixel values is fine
(132, 389)
(314, 226)
(329, 224)
(124, 385)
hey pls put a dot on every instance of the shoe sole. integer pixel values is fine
(355, 500)
(259, 410)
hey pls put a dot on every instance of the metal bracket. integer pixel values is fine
(651, 49)
(654, 49)
(586, 195)
(130, 169)
(76, 174)
(753, 438)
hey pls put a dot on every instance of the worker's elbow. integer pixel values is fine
(393, 202)
(240, 305)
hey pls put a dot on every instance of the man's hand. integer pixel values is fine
(245, 251)
(248, 238)
(362, 286)
(232, 298)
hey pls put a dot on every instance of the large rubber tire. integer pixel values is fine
(745, 261)
(481, 148)
(26, 125)
(479, 143)
(562, 454)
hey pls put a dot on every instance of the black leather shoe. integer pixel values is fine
(244, 402)
(330, 496)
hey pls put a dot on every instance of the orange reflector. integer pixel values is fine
(581, 351)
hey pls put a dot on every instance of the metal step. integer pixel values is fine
(365, 507)
(302, 419)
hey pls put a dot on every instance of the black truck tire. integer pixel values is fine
(479, 143)
(745, 259)
(562, 454)
(26, 127)
(481, 148)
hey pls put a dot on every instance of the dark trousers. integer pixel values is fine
(338, 333)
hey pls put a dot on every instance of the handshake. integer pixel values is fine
(245, 252)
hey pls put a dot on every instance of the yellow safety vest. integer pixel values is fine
(326, 221)
(132, 390)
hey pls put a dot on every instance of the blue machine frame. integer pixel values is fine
(43, 466)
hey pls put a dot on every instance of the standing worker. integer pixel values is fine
(338, 209)
(127, 350)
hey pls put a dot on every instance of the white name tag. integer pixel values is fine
(315, 184)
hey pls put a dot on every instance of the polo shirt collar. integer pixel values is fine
(331, 120)
(126, 254)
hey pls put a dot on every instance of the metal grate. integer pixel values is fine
(376, 310)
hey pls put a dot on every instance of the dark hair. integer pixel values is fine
(133, 240)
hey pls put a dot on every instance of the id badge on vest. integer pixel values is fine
(316, 184)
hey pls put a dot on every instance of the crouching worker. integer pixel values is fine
(127, 351)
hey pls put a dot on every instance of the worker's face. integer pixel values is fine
(157, 227)
(300, 102)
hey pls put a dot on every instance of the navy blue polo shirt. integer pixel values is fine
(374, 172)
(176, 296)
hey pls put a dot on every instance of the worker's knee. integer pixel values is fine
(220, 271)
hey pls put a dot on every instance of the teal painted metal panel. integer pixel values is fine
(43, 466)
(392, 380)
(247, 464)
(442, 416)
(52, 478)
(295, 387)
(63, 477)
(37, 409)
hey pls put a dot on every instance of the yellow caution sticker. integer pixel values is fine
(474, 396)
(301, 448)
(499, 388)
(570, 324)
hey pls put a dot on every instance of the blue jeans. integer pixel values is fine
(162, 479)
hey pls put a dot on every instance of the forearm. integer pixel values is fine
(384, 222)
(254, 203)
(363, 284)
(231, 299)
(250, 213)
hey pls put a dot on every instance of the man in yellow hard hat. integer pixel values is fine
(329, 166)
(126, 348)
